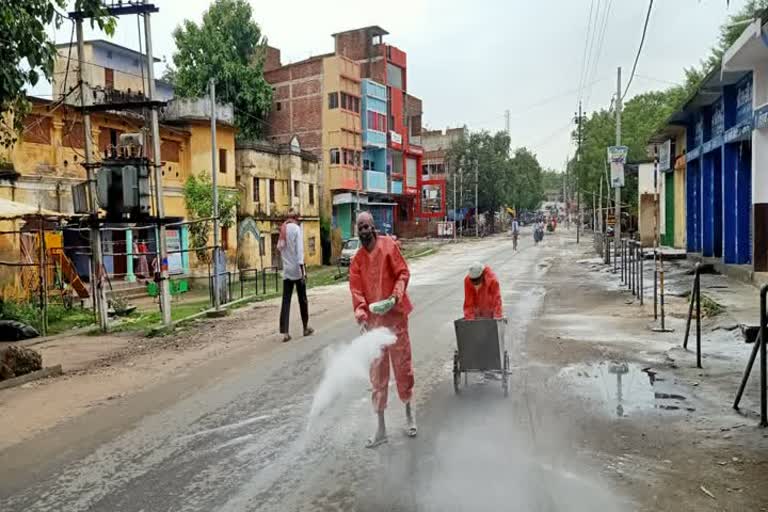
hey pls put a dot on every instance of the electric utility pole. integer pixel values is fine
(455, 210)
(507, 124)
(617, 211)
(477, 208)
(578, 171)
(99, 295)
(215, 209)
(162, 247)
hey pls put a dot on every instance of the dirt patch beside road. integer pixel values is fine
(101, 369)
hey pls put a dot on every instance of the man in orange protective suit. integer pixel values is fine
(482, 293)
(378, 278)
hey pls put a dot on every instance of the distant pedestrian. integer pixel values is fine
(291, 247)
(515, 232)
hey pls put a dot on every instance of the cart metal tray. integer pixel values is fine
(481, 347)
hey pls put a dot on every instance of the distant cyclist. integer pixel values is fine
(515, 232)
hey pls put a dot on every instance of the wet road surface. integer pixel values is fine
(240, 441)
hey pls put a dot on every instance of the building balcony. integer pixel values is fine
(344, 178)
(372, 138)
(374, 181)
(197, 109)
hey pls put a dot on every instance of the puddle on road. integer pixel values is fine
(622, 389)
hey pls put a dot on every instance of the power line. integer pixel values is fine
(660, 80)
(599, 53)
(586, 45)
(590, 53)
(639, 49)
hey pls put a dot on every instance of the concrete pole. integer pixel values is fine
(162, 248)
(578, 172)
(454, 206)
(99, 293)
(617, 214)
(461, 194)
(215, 192)
(477, 209)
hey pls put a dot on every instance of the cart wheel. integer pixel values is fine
(505, 375)
(456, 372)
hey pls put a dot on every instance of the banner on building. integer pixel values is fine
(665, 156)
(617, 157)
(395, 137)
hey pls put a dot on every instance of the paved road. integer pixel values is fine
(240, 441)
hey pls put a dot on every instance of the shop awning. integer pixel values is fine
(10, 210)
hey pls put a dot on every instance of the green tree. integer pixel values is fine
(198, 200)
(27, 52)
(729, 32)
(641, 117)
(503, 180)
(526, 187)
(227, 46)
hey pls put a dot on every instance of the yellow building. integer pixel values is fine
(271, 179)
(47, 161)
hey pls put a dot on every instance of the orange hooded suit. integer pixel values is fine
(375, 276)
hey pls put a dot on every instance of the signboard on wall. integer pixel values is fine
(445, 229)
(173, 242)
(395, 137)
(617, 157)
(665, 157)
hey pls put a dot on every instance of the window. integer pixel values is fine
(279, 106)
(37, 129)
(271, 191)
(377, 121)
(335, 156)
(222, 160)
(311, 194)
(74, 136)
(296, 188)
(394, 76)
(368, 165)
(312, 245)
(349, 102)
(333, 100)
(109, 78)
(170, 150)
(224, 238)
(256, 190)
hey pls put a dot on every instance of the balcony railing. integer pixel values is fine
(344, 178)
(372, 138)
(374, 181)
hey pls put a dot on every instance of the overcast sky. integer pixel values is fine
(471, 60)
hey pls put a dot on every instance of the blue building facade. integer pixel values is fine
(376, 172)
(718, 121)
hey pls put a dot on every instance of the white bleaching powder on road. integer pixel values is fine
(346, 369)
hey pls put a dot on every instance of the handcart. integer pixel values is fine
(481, 347)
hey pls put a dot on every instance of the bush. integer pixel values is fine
(25, 312)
